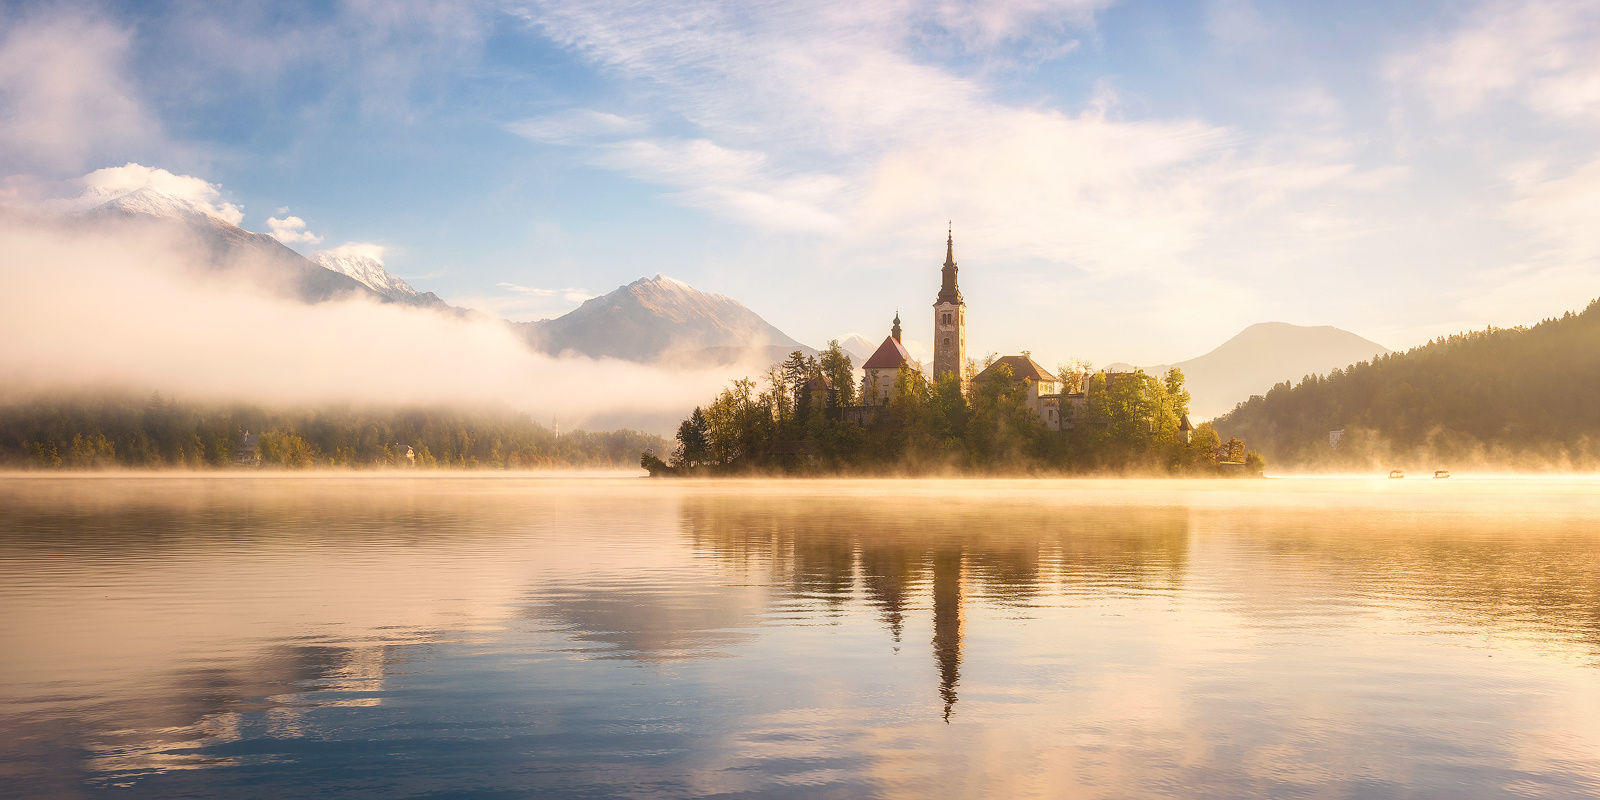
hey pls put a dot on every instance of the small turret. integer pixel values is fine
(895, 331)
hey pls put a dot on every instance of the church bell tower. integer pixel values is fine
(950, 320)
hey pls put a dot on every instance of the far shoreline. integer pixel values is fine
(690, 480)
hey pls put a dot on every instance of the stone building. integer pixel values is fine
(950, 320)
(248, 452)
(882, 370)
(1058, 409)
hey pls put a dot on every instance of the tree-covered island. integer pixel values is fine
(808, 417)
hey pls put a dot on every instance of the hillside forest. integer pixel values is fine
(1506, 399)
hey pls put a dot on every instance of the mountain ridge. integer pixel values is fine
(1262, 355)
(659, 318)
(1519, 398)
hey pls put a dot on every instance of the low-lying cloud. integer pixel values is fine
(145, 312)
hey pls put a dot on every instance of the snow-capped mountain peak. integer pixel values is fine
(153, 203)
(136, 189)
(363, 263)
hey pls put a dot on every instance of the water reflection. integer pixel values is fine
(182, 637)
(893, 549)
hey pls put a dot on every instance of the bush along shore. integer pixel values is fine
(806, 418)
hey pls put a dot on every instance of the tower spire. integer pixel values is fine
(949, 318)
(948, 291)
(895, 331)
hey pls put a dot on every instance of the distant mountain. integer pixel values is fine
(1507, 399)
(265, 260)
(366, 269)
(257, 256)
(662, 319)
(859, 347)
(1263, 355)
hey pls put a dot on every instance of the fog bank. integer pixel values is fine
(142, 310)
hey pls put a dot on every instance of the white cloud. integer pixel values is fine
(519, 300)
(291, 229)
(112, 182)
(1539, 54)
(533, 290)
(575, 125)
(1562, 211)
(827, 121)
(1558, 265)
(981, 23)
(64, 94)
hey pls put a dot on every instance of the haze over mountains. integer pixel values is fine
(335, 274)
(1262, 355)
(662, 320)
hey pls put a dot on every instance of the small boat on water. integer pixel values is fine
(1395, 474)
(1441, 473)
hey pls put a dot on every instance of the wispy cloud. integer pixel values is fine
(1538, 54)
(826, 121)
(65, 97)
(573, 126)
(517, 301)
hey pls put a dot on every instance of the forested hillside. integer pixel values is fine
(1501, 398)
(126, 431)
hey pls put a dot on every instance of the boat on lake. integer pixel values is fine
(1441, 473)
(1395, 474)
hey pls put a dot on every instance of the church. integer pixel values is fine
(1057, 408)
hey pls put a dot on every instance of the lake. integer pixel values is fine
(488, 636)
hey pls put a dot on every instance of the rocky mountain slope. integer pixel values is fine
(662, 319)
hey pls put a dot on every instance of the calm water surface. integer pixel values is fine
(492, 637)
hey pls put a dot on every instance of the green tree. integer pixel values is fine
(835, 364)
(694, 440)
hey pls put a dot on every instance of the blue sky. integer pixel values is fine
(1128, 181)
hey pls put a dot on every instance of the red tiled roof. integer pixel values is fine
(1022, 367)
(890, 355)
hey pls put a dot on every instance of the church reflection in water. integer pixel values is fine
(906, 555)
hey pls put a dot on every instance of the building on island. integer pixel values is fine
(882, 369)
(950, 320)
(248, 453)
(1058, 408)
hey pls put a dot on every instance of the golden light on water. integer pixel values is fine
(1034, 638)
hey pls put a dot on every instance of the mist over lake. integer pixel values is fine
(381, 636)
